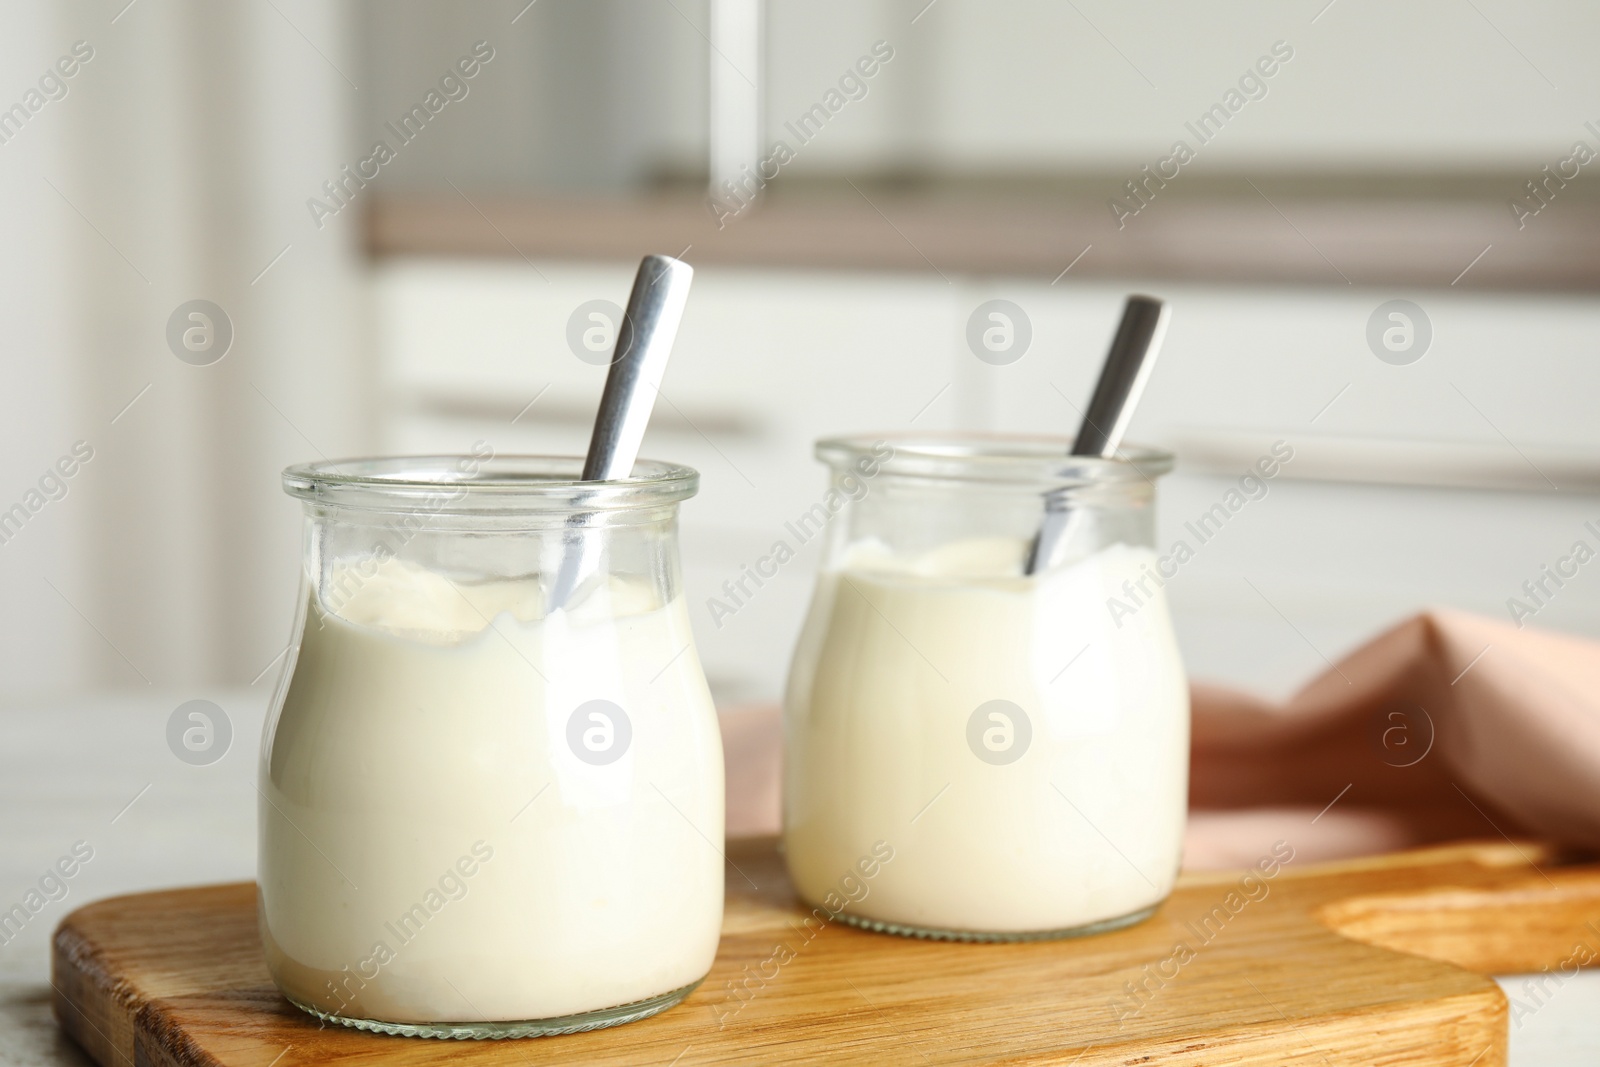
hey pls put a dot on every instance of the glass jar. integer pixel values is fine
(483, 815)
(972, 752)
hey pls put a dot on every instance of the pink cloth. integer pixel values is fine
(1446, 726)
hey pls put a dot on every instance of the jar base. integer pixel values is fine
(936, 934)
(497, 1031)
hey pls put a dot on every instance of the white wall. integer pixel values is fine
(176, 167)
(610, 91)
(37, 416)
(996, 85)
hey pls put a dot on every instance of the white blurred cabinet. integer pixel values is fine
(1412, 485)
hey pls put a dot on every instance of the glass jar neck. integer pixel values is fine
(991, 464)
(410, 538)
(483, 491)
(911, 495)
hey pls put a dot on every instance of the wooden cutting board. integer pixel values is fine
(1378, 961)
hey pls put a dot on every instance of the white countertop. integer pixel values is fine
(99, 771)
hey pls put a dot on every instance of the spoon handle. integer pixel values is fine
(1122, 379)
(638, 361)
(644, 341)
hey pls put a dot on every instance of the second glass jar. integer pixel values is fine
(974, 752)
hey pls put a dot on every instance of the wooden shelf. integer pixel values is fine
(1365, 231)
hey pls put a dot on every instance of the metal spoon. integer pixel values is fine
(1122, 378)
(638, 361)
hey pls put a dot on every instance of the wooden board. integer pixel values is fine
(1334, 964)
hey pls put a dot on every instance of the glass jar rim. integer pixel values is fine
(488, 484)
(1032, 460)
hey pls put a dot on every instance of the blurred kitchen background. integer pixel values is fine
(445, 300)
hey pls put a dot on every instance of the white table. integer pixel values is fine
(100, 771)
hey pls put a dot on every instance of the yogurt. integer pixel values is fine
(1024, 753)
(451, 830)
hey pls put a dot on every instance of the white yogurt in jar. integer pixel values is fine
(440, 841)
(1024, 754)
